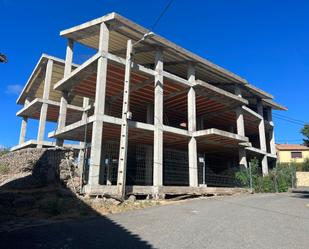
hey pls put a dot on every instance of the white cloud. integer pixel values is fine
(13, 89)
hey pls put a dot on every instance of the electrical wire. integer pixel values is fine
(292, 119)
(287, 120)
(161, 14)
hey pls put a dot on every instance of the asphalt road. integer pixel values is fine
(248, 221)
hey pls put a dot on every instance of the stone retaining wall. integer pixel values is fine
(302, 179)
(34, 167)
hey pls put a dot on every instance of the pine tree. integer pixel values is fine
(305, 132)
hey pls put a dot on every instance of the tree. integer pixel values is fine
(305, 132)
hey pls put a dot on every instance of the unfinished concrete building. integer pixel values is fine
(154, 118)
(41, 102)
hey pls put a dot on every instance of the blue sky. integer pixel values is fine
(264, 41)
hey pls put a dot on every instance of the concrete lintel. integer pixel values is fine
(105, 119)
(256, 150)
(251, 112)
(68, 81)
(45, 144)
(68, 128)
(203, 84)
(135, 66)
(245, 144)
(177, 131)
(178, 79)
(94, 22)
(215, 131)
(149, 71)
(20, 113)
(274, 105)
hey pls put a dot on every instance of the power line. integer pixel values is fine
(161, 14)
(293, 119)
(290, 120)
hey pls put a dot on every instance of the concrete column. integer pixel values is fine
(261, 126)
(242, 157)
(99, 107)
(264, 166)
(192, 147)
(272, 133)
(239, 115)
(81, 154)
(123, 150)
(149, 149)
(240, 123)
(262, 137)
(23, 128)
(64, 97)
(68, 58)
(43, 113)
(158, 123)
(62, 115)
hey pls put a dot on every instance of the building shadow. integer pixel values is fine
(301, 193)
(88, 230)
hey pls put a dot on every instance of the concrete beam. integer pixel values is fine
(251, 112)
(228, 97)
(214, 131)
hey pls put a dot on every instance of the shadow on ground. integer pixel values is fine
(71, 223)
(301, 193)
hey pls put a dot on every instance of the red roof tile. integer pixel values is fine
(291, 147)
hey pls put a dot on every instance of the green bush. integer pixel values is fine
(298, 166)
(280, 179)
(4, 151)
(242, 177)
